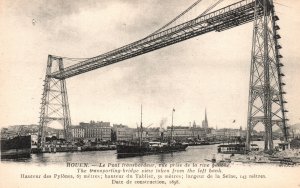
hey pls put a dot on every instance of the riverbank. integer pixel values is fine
(289, 156)
(54, 149)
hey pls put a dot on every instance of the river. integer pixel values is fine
(196, 154)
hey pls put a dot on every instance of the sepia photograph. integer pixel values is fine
(150, 93)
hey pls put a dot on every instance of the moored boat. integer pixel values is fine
(237, 148)
(199, 143)
(131, 149)
(17, 147)
(232, 149)
(149, 148)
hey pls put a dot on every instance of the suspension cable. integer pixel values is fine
(210, 8)
(160, 29)
(166, 25)
(177, 17)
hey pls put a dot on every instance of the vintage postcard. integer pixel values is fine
(150, 93)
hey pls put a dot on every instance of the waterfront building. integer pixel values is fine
(95, 131)
(230, 133)
(123, 132)
(211, 133)
(78, 132)
(199, 133)
(59, 134)
(179, 132)
(220, 133)
(137, 133)
(153, 133)
(194, 125)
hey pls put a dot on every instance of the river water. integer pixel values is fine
(196, 154)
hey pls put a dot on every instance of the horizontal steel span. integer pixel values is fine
(225, 18)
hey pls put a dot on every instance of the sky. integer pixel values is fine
(210, 71)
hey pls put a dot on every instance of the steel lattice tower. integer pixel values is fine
(54, 106)
(266, 101)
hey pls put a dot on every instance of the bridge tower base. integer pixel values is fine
(55, 105)
(266, 100)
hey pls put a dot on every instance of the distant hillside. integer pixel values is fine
(31, 128)
(295, 126)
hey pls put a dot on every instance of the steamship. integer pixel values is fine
(17, 147)
(148, 148)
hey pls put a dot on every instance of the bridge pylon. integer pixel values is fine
(266, 102)
(55, 105)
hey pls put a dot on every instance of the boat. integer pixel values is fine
(131, 149)
(17, 147)
(274, 159)
(202, 142)
(199, 143)
(295, 143)
(98, 148)
(288, 161)
(236, 148)
(232, 149)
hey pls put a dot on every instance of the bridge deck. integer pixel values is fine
(225, 18)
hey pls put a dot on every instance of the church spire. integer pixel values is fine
(205, 116)
(205, 121)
